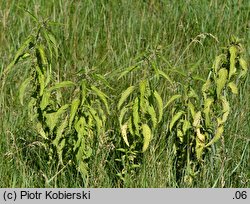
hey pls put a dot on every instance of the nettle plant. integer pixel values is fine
(68, 127)
(140, 109)
(197, 123)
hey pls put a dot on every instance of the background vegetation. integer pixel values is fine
(105, 37)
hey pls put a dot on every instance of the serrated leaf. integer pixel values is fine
(142, 87)
(197, 119)
(80, 129)
(226, 109)
(22, 89)
(40, 131)
(175, 119)
(159, 105)
(151, 112)
(98, 121)
(74, 107)
(200, 144)
(233, 87)
(136, 117)
(221, 81)
(207, 104)
(102, 96)
(146, 132)
(244, 67)
(19, 53)
(233, 55)
(186, 126)
(124, 128)
(217, 136)
(218, 62)
(122, 114)
(63, 84)
(180, 135)
(53, 118)
(42, 55)
(173, 98)
(41, 80)
(125, 95)
(191, 108)
(45, 100)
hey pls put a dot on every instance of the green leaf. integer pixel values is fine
(136, 117)
(197, 119)
(226, 110)
(102, 96)
(124, 128)
(42, 55)
(173, 98)
(125, 95)
(19, 53)
(39, 129)
(126, 71)
(233, 56)
(22, 89)
(217, 136)
(165, 76)
(74, 107)
(175, 119)
(207, 104)
(186, 126)
(53, 118)
(151, 112)
(41, 80)
(122, 114)
(142, 87)
(244, 67)
(45, 100)
(221, 81)
(146, 132)
(233, 87)
(63, 84)
(159, 105)
(200, 144)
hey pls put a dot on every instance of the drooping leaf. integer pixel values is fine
(41, 80)
(207, 104)
(124, 128)
(244, 67)
(102, 96)
(41, 131)
(217, 136)
(19, 53)
(42, 56)
(221, 81)
(22, 89)
(175, 118)
(165, 76)
(147, 135)
(200, 144)
(45, 100)
(136, 117)
(63, 84)
(142, 87)
(125, 95)
(173, 98)
(74, 107)
(122, 114)
(233, 87)
(159, 105)
(233, 55)
(197, 119)
(151, 112)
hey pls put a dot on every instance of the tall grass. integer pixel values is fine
(106, 37)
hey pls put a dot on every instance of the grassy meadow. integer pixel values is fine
(103, 38)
